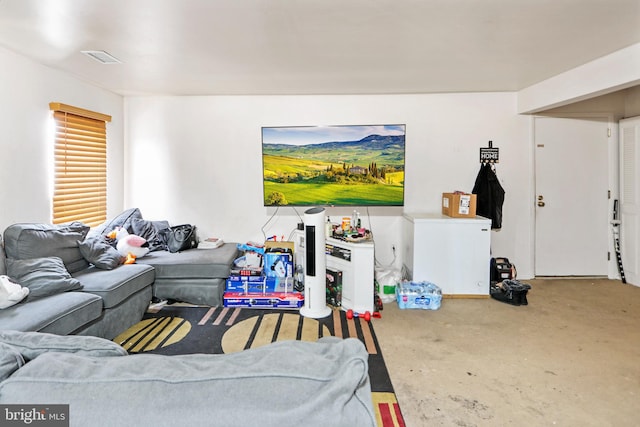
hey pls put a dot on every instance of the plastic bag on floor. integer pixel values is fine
(387, 278)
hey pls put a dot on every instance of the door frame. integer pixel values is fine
(613, 159)
(627, 237)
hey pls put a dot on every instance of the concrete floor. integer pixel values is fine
(569, 358)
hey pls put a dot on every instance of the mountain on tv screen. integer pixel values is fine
(333, 165)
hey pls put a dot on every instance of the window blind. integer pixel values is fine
(80, 170)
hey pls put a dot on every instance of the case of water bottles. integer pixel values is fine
(422, 295)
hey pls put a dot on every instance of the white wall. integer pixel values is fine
(617, 71)
(26, 89)
(632, 102)
(198, 160)
(612, 103)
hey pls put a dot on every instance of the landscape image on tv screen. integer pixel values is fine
(333, 165)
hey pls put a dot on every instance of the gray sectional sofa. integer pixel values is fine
(48, 364)
(281, 384)
(196, 276)
(75, 288)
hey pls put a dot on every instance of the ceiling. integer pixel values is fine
(251, 47)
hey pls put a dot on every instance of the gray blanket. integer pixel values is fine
(281, 384)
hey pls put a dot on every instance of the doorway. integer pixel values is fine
(630, 198)
(572, 196)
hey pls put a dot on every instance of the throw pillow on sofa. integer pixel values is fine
(121, 220)
(100, 253)
(33, 240)
(32, 344)
(43, 276)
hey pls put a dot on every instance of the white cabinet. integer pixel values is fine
(453, 253)
(356, 262)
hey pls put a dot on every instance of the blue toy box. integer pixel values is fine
(277, 264)
(293, 300)
(259, 284)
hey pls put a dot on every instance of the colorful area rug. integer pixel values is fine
(177, 329)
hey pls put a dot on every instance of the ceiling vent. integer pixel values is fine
(101, 56)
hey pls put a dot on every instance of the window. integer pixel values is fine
(80, 171)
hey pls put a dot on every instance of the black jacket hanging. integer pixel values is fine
(489, 196)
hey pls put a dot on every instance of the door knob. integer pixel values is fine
(540, 200)
(541, 203)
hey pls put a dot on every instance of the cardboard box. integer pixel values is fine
(458, 205)
(277, 264)
(265, 284)
(334, 287)
(271, 246)
(278, 259)
(270, 300)
(245, 278)
(244, 271)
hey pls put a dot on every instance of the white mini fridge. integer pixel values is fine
(453, 253)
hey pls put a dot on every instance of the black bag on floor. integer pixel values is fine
(180, 237)
(502, 269)
(512, 292)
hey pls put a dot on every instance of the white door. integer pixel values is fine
(630, 198)
(572, 218)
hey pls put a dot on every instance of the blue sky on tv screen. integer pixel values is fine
(302, 135)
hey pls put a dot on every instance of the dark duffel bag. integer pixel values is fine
(180, 237)
(512, 292)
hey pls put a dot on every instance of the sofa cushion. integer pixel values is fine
(115, 286)
(10, 361)
(62, 314)
(32, 344)
(100, 253)
(149, 231)
(43, 276)
(121, 220)
(30, 240)
(193, 291)
(116, 320)
(194, 263)
(284, 383)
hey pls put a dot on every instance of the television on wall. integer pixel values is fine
(360, 165)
